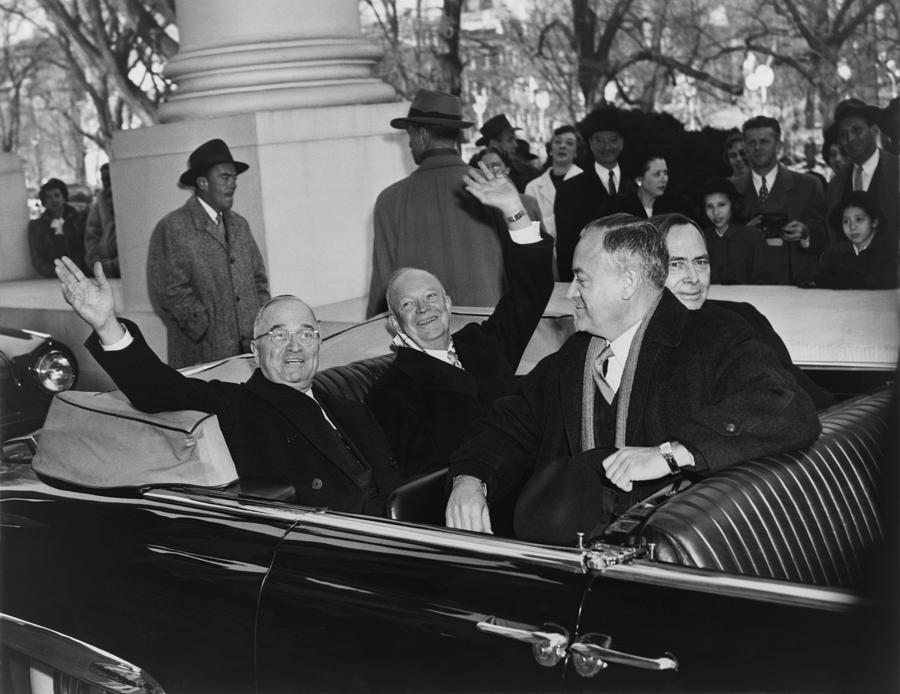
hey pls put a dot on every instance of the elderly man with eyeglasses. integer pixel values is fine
(278, 426)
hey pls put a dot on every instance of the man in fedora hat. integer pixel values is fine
(582, 198)
(871, 168)
(428, 220)
(205, 272)
(499, 132)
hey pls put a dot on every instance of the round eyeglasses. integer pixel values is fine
(281, 337)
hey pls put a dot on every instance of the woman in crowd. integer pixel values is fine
(648, 195)
(564, 148)
(735, 154)
(689, 279)
(736, 252)
(563, 151)
(832, 152)
(57, 232)
(864, 260)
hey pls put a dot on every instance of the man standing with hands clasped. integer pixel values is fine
(645, 389)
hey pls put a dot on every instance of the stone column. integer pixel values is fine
(239, 57)
(288, 85)
(15, 260)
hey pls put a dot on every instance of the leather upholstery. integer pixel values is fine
(353, 380)
(807, 516)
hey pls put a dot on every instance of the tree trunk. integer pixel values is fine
(449, 59)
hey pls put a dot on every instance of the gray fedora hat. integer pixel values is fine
(206, 156)
(430, 107)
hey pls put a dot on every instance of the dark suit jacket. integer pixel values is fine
(630, 203)
(885, 186)
(272, 431)
(425, 405)
(578, 201)
(737, 257)
(800, 197)
(702, 378)
(764, 331)
(874, 268)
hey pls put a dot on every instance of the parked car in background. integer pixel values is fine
(33, 368)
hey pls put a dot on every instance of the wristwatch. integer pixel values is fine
(665, 450)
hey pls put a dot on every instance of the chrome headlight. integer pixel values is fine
(55, 371)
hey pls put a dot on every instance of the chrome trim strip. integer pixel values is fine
(733, 585)
(570, 559)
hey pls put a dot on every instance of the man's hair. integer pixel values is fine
(53, 184)
(762, 122)
(395, 275)
(273, 300)
(632, 241)
(665, 222)
(439, 135)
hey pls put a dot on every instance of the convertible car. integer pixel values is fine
(772, 575)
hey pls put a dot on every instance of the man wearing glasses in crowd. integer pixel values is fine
(277, 424)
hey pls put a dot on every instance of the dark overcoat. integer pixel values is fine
(578, 201)
(208, 291)
(46, 246)
(425, 405)
(702, 378)
(273, 431)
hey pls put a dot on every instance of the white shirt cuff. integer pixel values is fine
(804, 243)
(119, 344)
(531, 234)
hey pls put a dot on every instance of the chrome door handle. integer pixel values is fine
(591, 654)
(548, 643)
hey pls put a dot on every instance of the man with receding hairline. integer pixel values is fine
(278, 425)
(645, 390)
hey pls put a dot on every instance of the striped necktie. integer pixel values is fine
(612, 184)
(601, 365)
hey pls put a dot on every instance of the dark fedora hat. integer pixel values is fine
(857, 107)
(602, 119)
(205, 157)
(430, 107)
(723, 186)
(493, 128)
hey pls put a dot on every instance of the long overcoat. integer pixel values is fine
(206, 289)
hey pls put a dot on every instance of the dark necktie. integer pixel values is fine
(601, 366)
(857, 178)
(763, 192)
(612, 183)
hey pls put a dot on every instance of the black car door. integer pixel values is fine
(358, 604)
(725, 632)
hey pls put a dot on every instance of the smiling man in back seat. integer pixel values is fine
(439, 383)
(277, 426)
